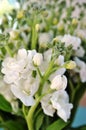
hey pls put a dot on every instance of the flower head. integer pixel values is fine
(71, 40)
(60, 101)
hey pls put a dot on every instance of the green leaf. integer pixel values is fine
(5, 105)
(57, 125)
(39, 121)
(13, 125)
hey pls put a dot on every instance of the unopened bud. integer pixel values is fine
(55, 21)
(70, 65)
(37, 59)
(37, 27)
(74, 22)
(14, 34)
(60, 27)
(20, 14)
(55, 40)
(59, 82)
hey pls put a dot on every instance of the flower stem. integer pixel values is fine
(45, 77)
(29, 117)
(8, 50)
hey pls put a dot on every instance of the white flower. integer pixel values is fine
(71, 40)
(80, 52)
(59, 82)
(46, 59)
(47, 106)
(11, 70)
(21, 74)
(82, 69)
(37, 59)
(60, 101)
(45, 38)
(6, 92)
(5, 7)
(25, 90)
(18, 67)
(81, 33)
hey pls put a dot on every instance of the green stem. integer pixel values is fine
(45, 77)
(8, 50)
(34, 34)
(39, 72)
(30, 116)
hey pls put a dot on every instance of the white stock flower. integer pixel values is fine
(47, 106)
(45, 38)
(6, 92)
(80, 52)
(60, 102)
(71, 40)
(46, 59)
(81, 33)
(11, 70)
(25, 90)
(59, 82)
(37, 59)
(19, 73)
(82, 69)
(18, 67)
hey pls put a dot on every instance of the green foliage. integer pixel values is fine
(57, 125)
(13, 125)
(5, 105)
(79, 128)
(39, 121)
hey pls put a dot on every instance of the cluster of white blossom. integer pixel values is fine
(23, 81)
(19, 74)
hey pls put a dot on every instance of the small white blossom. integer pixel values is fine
(19, 74)
(71, 40)
(18, 67)
(60, 101)
(45, 38)
(80, 52)
(59, 82)
(47, 106)
(81, 69)
(6, 92)
(81, 33)
(37, 59)
(25, 90)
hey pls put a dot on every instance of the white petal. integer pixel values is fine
(47, 106)
(27, 100)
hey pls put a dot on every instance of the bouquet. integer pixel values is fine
(42, 64)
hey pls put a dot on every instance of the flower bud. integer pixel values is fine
(55, 40)
(59, 82)
(74, 22)
(37, 27)
(20, 14)
(37, 59)
(14, 34)
(55, 21)
(70, 65)
(60, 27)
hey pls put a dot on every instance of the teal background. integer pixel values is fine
(80, 118)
